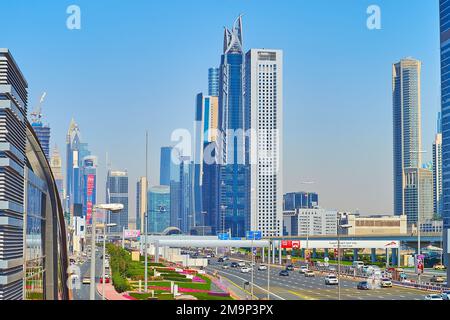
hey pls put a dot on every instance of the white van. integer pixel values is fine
(358, 264)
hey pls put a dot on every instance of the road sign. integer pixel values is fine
(223, 236)
(253, 235)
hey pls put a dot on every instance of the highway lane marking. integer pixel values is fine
(301, 296)
(281, 298)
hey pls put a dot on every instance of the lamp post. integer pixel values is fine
(339, 227)
(111, 207)
(104, 226)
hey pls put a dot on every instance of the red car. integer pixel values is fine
(107, 280)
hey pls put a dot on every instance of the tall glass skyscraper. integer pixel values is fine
(89, 185)
(234, 121)
(407, 125)
(167, 167)
(158, 209)
(43, 134)
(300, 200)
(117, 192)
(444, 10)
(213, 82)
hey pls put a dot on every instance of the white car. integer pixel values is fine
(241, 263)
(386, 283)
(433, 297)
(225, 266)
(331, 279)
(245, 270)
(262, 267)
(303, 269)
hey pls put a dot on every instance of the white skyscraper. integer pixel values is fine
(264, 101)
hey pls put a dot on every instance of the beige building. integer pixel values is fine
(376, 225)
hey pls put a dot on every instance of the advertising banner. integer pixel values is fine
(350, 244)
(130, 233)
(286, 244)
(295, 244)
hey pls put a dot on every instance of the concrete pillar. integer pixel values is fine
(355, 254)
(387, 258)
(373, 255)
(279, 255)
(394, 256)
(157, 251)
(273, 253)
(325, 253)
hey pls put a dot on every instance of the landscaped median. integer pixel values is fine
(128, 276)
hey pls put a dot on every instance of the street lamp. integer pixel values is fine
(339, 227)
(111, 207)
(104, 226)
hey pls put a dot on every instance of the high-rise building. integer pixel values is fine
(33, 245)
(264, 99)
(141, 203)
(75, 152)
(418, 195)
(56, 166)
(158, 209)
(186, 209)
(437, 175)
(89, 185)
(213, 82)
(167, 167)
(205, 164)
(309, 222)
(406, 123)
(117, 192)
(43, 134)
(234, 122)
(444, 9)
(298, 200)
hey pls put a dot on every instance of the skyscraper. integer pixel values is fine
(205, 192)
(158, 209)
(264, 99)
(43, 134)
(75, 152)
(444, 9)
(167, 167)
(89, 186)
(406, 123)
(117, 192)
(141, 203)
(56, 166)
(418, 195)
(234, 121)
(437, 175)
(186, 209)
(213, 82)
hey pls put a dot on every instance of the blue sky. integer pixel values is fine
(137, 65)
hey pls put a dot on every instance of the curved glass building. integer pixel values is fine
(33, 246)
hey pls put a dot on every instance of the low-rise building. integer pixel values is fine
(368, 225)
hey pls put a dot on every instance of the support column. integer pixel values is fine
(157, 251)
(303, 253)
(355, 254)
(279, 255)
(273, 252)
(373, 255)
(387, 258)
(394, 256)
(263, 255)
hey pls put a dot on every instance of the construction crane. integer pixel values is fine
(36, 115)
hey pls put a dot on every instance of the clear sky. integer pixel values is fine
(137, 65)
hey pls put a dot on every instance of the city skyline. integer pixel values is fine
(299, 109)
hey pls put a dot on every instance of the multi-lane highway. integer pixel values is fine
(83, 292)
(298, 287)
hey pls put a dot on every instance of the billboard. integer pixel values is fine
(131, 233)
(347, 244)
(286, 244)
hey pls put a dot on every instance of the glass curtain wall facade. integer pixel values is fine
(117, 192)
(234, 120)
(444, 13)
(158, 209)
(407, 142)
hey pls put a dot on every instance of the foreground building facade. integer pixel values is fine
(33, 245)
